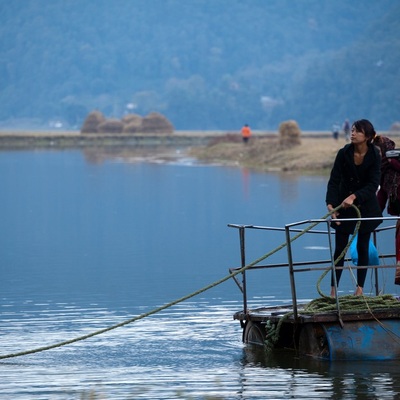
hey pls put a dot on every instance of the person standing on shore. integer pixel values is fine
(346, 129)
(246, 133)
(335, 130)
(354, 179)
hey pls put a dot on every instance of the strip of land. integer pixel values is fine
(314, 154)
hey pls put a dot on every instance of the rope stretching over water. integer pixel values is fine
(172, 303)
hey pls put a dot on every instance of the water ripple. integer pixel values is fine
(192, 350)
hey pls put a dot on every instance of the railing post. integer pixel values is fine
(291, 272)
(333, 272)
(376, 269)
(243, 263)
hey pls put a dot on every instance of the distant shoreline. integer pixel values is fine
(212, 132)
(74, 139)
(315, 154)
(10, 139)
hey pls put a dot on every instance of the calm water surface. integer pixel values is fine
(88, 245)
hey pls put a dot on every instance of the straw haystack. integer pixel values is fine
(128, 118)
(156, 123)
(92, 121)
(132, 123)
(111, 126)
(289, 134)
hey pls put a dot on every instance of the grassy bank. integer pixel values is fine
(65, 140)
(313, 155)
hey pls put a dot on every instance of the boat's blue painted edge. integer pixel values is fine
(364, 340)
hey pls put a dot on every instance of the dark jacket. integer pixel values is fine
(363, 180)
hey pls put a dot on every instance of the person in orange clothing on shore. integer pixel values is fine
(246, 133)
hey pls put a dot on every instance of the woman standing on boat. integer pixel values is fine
(354, 180)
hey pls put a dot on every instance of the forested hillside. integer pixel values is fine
(204, 64)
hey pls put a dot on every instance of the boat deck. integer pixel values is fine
(274, 314)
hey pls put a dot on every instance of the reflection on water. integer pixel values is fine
(137, 154)
(88, 245)
(321, 379)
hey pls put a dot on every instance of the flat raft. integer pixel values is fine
(369, 334)
(357, 336)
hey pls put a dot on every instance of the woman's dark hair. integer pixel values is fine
(364, 126)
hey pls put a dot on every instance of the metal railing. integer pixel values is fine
(304, 266)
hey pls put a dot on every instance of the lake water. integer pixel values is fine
(86, 245)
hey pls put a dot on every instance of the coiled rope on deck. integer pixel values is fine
(168, 305)
(351, 303)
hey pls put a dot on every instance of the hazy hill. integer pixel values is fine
(205, 64)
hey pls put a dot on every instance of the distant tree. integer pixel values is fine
(203, 67)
